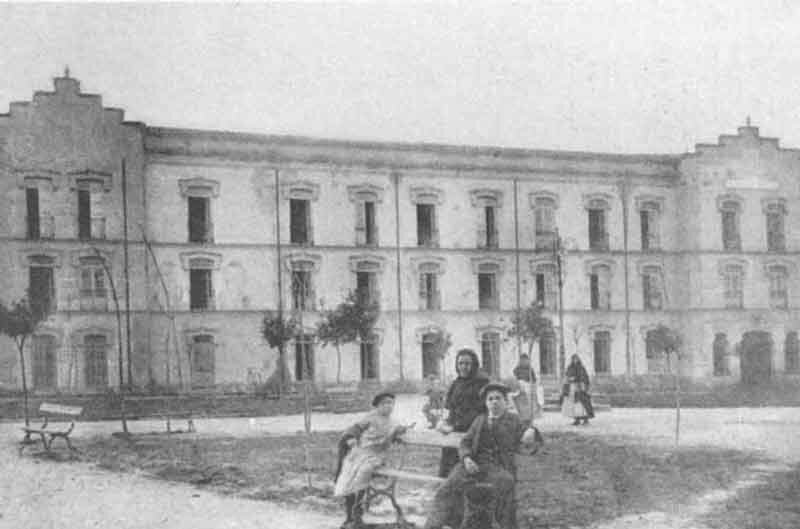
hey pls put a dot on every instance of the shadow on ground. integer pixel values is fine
(772, 503)
(574, 481)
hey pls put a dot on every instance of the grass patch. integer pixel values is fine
(574, 481)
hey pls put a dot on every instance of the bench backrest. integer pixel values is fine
(60, 409)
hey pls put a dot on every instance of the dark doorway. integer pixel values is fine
(756, 361)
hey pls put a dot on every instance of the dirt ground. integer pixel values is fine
(39, 493)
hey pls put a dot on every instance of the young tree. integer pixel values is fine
(353, 319)
(529, 325)
(19, 322)
(670, 341)
(278, 331)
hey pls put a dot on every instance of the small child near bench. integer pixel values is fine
(362, 449)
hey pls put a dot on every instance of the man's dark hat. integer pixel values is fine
(380, 396)
(494, 386)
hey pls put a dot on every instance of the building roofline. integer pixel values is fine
(508, 153)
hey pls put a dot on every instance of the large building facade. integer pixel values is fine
(448, 239)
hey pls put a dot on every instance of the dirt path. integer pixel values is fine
(43, 494)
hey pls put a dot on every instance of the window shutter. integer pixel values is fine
(434, 227)
(436, 295)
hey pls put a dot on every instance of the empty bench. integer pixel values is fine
(51, 430)
(385, 479)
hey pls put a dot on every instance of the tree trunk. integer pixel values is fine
(677, 402)
(338, 363)
(21, 347)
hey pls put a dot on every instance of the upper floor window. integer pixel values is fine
(778, 291)
(544, 218)
(546, 278)
(303, 269)
(488, 272)
(733, 284)
(201, 286)
(488, 202)
(198, 193)
(299, 221)
(91, 223)
(597, 211)
(649, 219)
(41, 285)
(730, 209)
(33, 227)
(427, 232)
(652, 288)
(38, 192)
(93, 292)
(426, 200)
(429, 274)
(300, 196)
(200, 226)
(600, 286)
(367, 270)
(366, 199)
(775, 213)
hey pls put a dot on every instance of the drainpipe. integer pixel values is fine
(396, 181)
(516, 257)
(623, 185)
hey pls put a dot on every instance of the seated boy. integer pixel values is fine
(487, 454)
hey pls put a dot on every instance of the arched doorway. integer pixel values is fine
(756, 357)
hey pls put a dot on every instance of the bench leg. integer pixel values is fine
(389, 492)
(45, 442)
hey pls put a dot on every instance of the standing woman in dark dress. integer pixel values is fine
(462, 404)
(577, 402)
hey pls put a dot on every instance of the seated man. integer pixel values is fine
(487, 461)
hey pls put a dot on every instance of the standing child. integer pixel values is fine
(434, 407)
(526, 400)
(363, 448)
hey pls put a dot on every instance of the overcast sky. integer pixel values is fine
(639, 76)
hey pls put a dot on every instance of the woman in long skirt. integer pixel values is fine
(577, 403)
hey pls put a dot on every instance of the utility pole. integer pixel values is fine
(127, 276)
(557, 255)
(516, 257)
(623, 186)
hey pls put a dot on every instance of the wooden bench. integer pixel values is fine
(385, 479)
(47, 432)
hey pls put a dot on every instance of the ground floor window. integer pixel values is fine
(602, 352)
(490, 353)
(430, 357)
(792, 353)
(95, 361)
(304, 357)
(203, 361)
(547, 355)
(369, 360)
(720, 351)
(44, 362)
